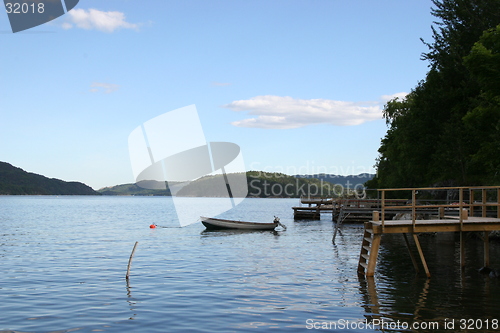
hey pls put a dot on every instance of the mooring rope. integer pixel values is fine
(154, 225)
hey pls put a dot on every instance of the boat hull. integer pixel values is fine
(213, 223)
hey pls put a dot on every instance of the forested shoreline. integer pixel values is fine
(16, 181)
(259, 183)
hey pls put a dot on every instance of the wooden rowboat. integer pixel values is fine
(214, 223)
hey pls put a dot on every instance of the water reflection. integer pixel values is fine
(232, 232)
(131, 300)
(450, 295)
(371, 303)
(189, 278)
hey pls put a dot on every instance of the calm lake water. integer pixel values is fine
(64, 260)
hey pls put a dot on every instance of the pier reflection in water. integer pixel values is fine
(466, 297)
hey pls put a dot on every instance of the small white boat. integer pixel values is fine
(214, 223)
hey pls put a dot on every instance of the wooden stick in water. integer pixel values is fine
(130, 260)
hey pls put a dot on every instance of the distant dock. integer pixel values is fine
(353, 210)
(315, 205)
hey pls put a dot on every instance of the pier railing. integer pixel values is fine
(466, 207)
(368, 203)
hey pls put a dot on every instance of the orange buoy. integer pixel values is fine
(152, 226)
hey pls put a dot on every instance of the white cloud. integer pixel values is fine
(400, 95)
(67, 25)
(287, 112)
(98, 20)
(107, 88)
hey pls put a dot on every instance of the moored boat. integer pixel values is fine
(215, 223)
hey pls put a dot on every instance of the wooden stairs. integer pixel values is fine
(369, 251)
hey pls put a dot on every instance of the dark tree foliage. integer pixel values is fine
(461, 24)
(437, 135)
(483, 62)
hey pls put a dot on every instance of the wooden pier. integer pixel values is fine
(465, 220)
(352, 209)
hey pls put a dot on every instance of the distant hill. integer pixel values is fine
(16, 181)
(272, 184)
(260, 184)
(149, 187)
(352, 180)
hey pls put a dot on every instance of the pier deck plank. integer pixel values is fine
(444, 225)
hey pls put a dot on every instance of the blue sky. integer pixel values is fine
(298, 85)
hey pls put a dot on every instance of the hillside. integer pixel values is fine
(260, 184)
(345, 181)
(148, 188)
(16, 181)
(266, 184)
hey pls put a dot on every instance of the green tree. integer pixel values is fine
(483, 121)
(429, 141)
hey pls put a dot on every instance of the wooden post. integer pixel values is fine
(130, 260)
(375, 216)
(460, 206)
(413, 209)
(498, 203)
(441, 212)
(382, 203)
(421, 254)
(484, 199)
(465, 214)
(471, 202)
(372, 262)
(461, 219)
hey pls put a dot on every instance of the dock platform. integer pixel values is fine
(464, 221)
(315, 205)
(354, 209)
